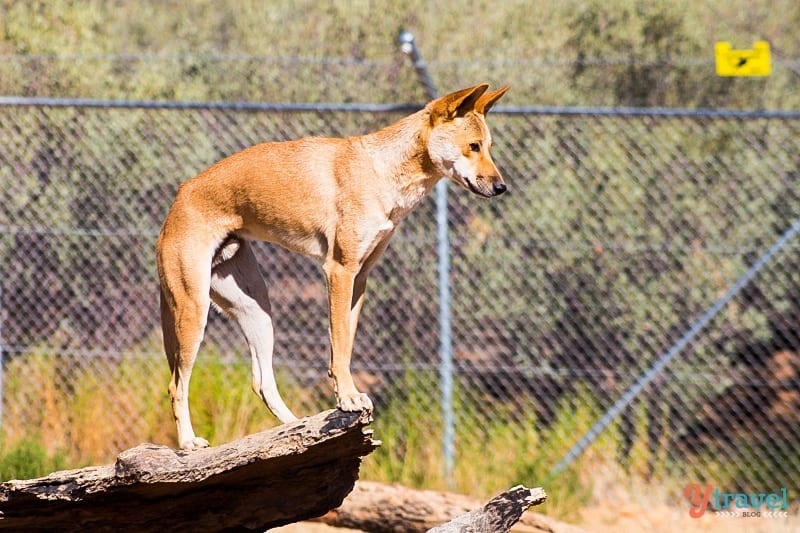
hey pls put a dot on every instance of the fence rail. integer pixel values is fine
(620, 229)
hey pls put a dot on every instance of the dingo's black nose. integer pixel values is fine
(499, 188)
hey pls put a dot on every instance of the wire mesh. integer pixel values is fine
(618, 231)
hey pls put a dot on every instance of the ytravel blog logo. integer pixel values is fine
(741, 504)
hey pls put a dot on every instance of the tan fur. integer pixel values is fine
(335, 199)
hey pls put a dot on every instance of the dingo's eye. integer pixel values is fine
(475, 147)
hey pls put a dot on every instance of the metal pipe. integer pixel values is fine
(408, 47)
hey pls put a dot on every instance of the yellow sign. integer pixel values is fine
(755, 62)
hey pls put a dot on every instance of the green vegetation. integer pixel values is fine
(629, 52)
(27, 459)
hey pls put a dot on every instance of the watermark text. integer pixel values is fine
(743, 504)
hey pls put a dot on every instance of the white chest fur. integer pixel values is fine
(373, 233)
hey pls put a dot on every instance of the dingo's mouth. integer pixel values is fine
(475, 190)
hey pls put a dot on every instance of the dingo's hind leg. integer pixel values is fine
(184, 313)
(238, 288)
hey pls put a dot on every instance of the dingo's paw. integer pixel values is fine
(194, 443)
(355, 402)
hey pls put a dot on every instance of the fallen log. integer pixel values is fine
(387, 508)
(286, 474)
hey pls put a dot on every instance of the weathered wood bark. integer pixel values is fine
(499, 515)
(293, 472)
(384, 508)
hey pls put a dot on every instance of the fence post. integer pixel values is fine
(408, 47)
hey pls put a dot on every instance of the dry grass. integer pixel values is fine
(97, 414)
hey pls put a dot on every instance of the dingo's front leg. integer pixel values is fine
(342, 302)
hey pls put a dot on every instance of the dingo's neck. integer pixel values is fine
(399, 153)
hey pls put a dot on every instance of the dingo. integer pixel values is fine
(335, 199)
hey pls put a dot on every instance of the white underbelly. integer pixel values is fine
(313, 244)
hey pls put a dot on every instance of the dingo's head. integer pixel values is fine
(459, 140)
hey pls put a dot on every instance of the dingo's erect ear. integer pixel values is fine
(487, 100)
(456, 104)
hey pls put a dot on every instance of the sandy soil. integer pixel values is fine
(309, 527)
(619, 507)
(634, 519)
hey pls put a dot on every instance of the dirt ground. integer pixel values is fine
(309, 527)
(621, 506)
(617, 506)
(634, 518)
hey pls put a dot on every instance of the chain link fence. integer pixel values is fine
(619, 230)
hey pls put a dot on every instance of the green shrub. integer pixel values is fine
(28, 458)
